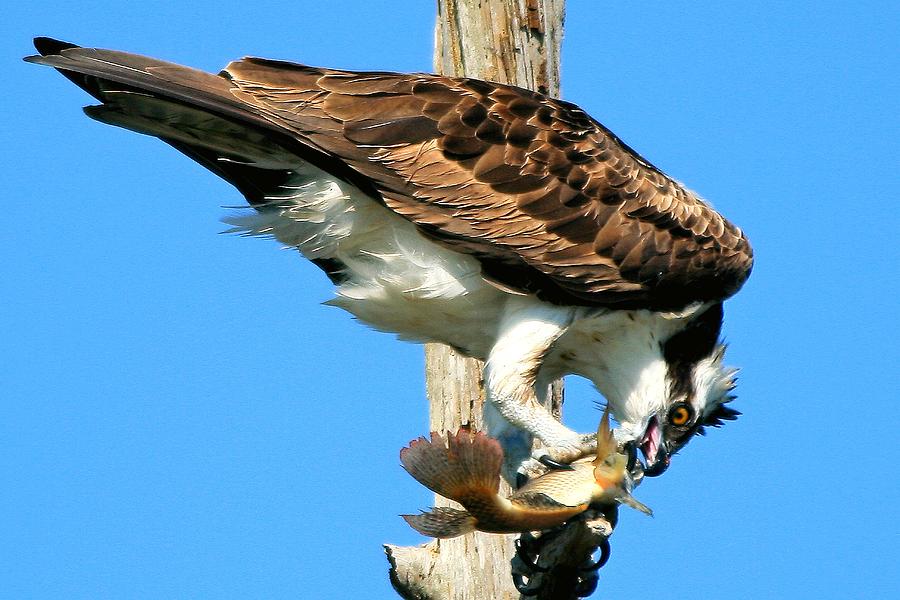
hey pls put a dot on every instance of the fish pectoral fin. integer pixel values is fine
(629, 500)
(442, 522)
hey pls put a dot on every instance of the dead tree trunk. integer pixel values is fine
(516, 42)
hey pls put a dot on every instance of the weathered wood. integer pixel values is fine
(510, 41)
(473, 566)
(516, 42)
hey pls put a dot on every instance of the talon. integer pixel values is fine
(600, 562)
(523, 586)
(526, 558)
(521, 479)
(554, 465)
(528, 541)
(587, 586)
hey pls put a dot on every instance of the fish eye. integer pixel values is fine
(681, 414)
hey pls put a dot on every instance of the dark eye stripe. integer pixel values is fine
(684, 349)
(696, 340)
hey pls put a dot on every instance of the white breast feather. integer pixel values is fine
(397, 280)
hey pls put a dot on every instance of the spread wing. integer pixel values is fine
(547, 199)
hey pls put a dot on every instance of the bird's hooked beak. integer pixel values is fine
(654, 449)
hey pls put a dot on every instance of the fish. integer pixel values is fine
(465, 467)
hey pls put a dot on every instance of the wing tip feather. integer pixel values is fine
(48, 46)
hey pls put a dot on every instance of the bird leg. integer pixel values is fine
(513, 413)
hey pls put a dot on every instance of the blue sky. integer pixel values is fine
(183, 419)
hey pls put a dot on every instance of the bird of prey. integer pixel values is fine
(507, 224)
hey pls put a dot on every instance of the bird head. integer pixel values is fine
(694, 396)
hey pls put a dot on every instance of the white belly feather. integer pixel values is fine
(395, 279)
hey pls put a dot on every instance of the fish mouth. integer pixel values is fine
(652, 446)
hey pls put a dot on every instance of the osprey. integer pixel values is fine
(507, 224)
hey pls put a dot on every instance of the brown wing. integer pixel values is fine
(550, 201)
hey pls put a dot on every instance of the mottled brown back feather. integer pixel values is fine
(548, 199)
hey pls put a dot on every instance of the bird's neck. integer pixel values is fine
(621, 353)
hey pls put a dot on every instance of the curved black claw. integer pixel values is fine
(523, 587)
(552, 464)
(529, 542)
(605, 551)
(521, 479)
(587, 585)
(526, 555)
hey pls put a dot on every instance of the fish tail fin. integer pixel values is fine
(457, 466)
(442, 522)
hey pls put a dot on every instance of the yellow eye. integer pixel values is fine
(681, 414)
